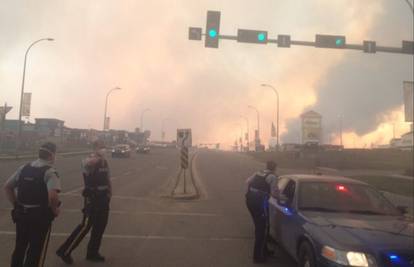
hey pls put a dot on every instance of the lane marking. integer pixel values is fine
(77, 189)
(158, 213)
(151, 237)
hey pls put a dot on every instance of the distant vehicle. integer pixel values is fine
(144, 149)
(336, 221)
(123, 151)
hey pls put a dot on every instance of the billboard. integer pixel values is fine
(27, 98)
(408, 101)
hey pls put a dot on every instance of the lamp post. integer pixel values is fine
(142, 118)
(248, 131)
(23, 82)
(258, 122)
(410, 5)
(106, 107)
(277, 112)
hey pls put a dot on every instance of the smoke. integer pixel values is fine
(143, 47)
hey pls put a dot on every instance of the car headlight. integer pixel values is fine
(348, 258)
(113, 150)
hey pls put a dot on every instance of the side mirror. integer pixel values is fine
(402, 209)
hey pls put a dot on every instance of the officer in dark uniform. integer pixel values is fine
(257, 196)
(97, 195)
(36, 204)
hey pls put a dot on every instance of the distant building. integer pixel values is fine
(311, 128)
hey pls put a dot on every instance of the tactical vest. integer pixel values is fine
(31, 186)
(98, 177)
(259, 183)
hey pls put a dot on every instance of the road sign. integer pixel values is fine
(283, 40)
(194, 33)
(184, 157)
(212, 29)
(330, 41)
(184, 138)
(252, 36)
(370, 47)
(27, 99)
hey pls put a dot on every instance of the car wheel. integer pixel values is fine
(306, 255)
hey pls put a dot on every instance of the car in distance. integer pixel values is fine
(143, 149)
(337, 221)
(123, 151)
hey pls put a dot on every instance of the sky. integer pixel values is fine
(143, 47)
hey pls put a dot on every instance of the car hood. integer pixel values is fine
(354, 231)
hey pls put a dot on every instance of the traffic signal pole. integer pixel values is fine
(212, 37)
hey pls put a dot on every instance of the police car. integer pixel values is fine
(336, 221)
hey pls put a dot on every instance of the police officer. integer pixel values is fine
(36, 204)
(259, 188)
(97, 194)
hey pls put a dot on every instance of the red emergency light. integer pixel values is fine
(341, 188)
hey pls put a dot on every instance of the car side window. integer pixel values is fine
(281, 184)
(289, 190)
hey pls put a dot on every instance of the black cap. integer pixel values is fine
(48, 147)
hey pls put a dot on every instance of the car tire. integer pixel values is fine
(306, 255)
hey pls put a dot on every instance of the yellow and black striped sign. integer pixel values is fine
(184, 157)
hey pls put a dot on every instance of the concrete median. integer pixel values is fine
(185, 187)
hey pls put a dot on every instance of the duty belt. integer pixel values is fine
(254, 190)
(98, 188)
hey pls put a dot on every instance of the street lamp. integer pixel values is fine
(248, 131)
(162, 128)
(258, 121)
(142, 118)
(106, 107)
(23, 80)
(277, 113)
(410, 5)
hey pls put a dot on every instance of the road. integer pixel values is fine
(146, 228)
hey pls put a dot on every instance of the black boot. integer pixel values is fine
(65, 258)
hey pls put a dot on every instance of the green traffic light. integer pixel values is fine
(261, 37)
(212, 33)
(339, 42)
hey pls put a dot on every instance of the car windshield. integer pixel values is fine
(343, 197)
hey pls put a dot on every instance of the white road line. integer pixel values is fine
(158, 213)
(77, 189)
(150, 237)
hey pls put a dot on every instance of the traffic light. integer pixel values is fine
(408, 47)
(212, 29)
(330, 41)
(252, 36)
(194, 33)
(370, 47)
(283, 41)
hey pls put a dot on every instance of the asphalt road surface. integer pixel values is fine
(146, 228)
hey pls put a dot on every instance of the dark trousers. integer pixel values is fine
(95, 217)
(32, 238)
(257, 209)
